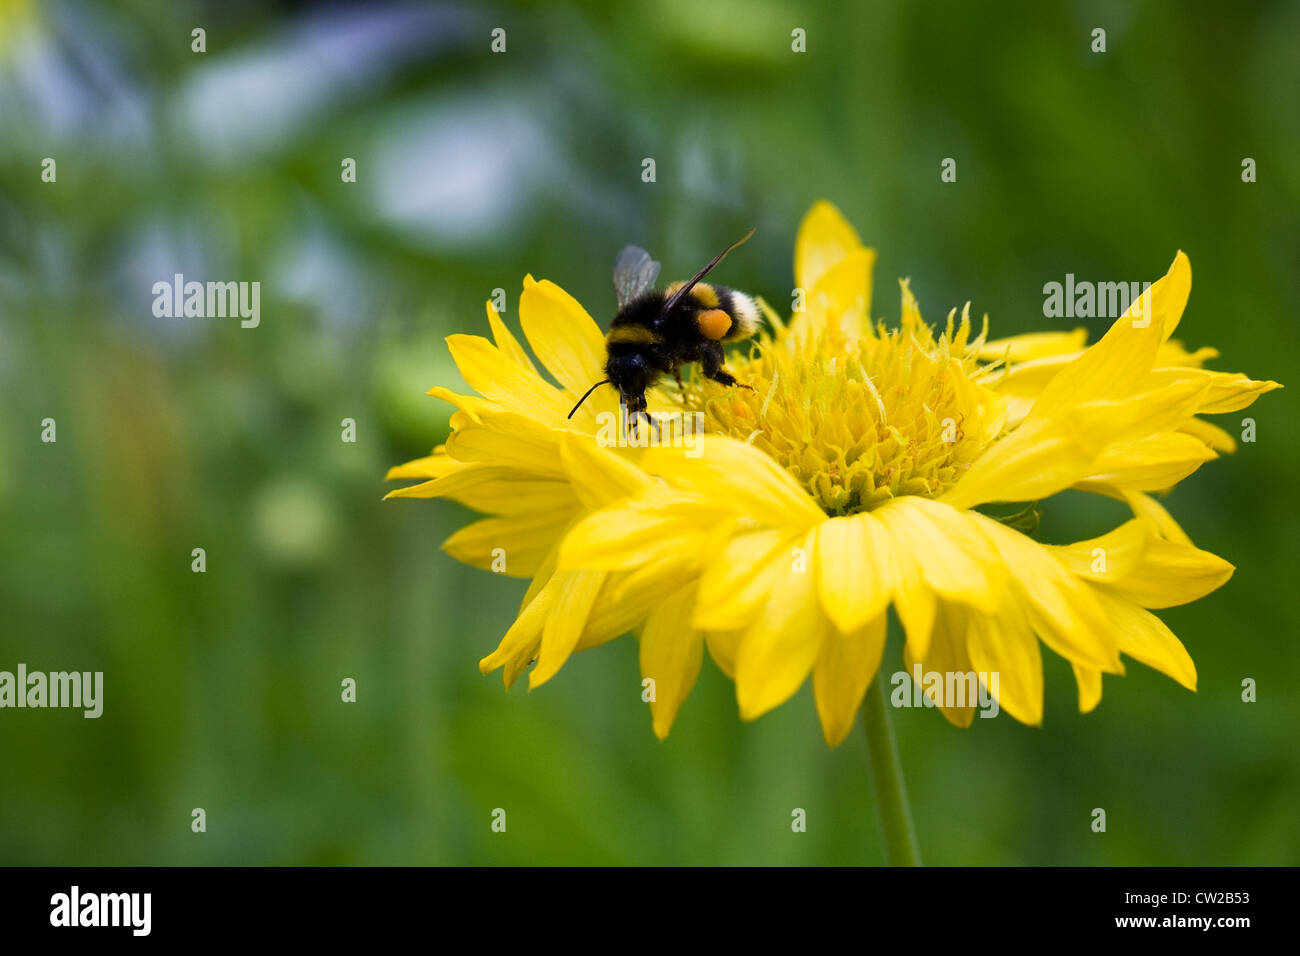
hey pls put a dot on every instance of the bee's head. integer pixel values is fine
(629, 373)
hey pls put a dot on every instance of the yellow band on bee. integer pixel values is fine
(631, 335)
(705, 295)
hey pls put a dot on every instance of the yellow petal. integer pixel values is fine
(779, 649)
(1109, 557)
(855, 569)
(1174, 352)
(1144, 637)
(671, 653)
(1212, 435)
(722, 647)
(1020, 385)
(1089, 681)
(1061, 609)
(635, 532)
(599, 476)
(522, 541)
(433, 466)
(545, 572)
(825, 238)
(497, 378)
(1044, 455)
(948, 658)
(1153, 463)
(510, 440)
(627, 597)
(914, 601)
(1137, 563)
(1116, 365)
(1039, 458)
(956, 561)
(506, 341)
(566, 622)
(469, 405)
(520, 644)
(566, 340)
(841, 298)
(1169, 313)
(737, 582)
(1231, 392)
(732, 471)
(1033, 345)
(495, 490)
(1164, 403)
(1004, 652)
(1172, 573)
(844, 670)
(423, 490)
(1144, 506)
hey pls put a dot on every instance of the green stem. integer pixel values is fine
(886, 775)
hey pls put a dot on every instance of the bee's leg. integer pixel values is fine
(634, 424)
(711, 359)
(677, 374)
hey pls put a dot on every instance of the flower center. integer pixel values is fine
(861, 421)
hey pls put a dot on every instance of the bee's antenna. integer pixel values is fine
(585, 397)
(690, 284)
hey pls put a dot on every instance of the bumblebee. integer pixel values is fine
(656, 332)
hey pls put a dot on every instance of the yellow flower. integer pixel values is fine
(844, 484)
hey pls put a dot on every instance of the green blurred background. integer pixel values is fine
(222, 689)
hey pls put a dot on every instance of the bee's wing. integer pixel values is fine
(634, 273)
